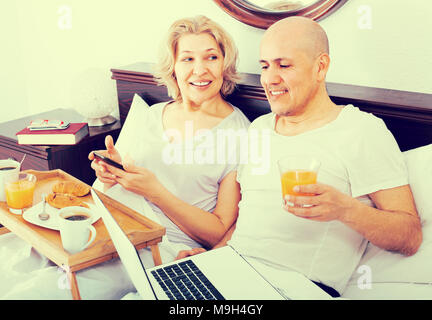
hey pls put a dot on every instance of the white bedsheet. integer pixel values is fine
(390, 291)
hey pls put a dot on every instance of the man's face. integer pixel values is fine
(287, 75)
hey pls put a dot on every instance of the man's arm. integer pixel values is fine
(393, 225)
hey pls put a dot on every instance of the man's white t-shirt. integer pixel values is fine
(358, 156)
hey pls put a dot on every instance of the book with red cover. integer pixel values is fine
(69, 136)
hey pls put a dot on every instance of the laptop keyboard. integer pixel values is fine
(184, 281)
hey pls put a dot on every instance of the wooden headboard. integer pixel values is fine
(408, 115)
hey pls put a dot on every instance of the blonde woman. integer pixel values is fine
(173, 163)
(194, 194)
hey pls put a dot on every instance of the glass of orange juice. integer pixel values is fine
(297, 170)
(19, 193)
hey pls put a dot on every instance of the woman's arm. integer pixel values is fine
(226, 237)
(187, 253)
(204, 227)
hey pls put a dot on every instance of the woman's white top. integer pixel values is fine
(191, 168)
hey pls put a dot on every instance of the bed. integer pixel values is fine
(408, 115)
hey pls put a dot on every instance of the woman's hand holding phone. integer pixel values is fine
(133, 178)
(100, 167)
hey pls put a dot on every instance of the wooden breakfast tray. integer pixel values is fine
(141, 231)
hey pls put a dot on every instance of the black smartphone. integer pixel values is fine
(108, 160)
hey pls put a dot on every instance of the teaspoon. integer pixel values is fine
(43, 215)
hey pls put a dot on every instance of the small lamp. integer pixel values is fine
(94, 96)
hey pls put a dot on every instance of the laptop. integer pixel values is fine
(218, 274)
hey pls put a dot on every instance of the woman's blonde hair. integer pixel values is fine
(164, 71)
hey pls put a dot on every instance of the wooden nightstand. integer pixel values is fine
(72, 159)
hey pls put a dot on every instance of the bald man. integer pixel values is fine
(362, 192)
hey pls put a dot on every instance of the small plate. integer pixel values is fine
(31, 215)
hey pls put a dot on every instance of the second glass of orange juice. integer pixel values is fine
(297, 170)
(19, 193)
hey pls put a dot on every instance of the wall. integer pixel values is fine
(47, 45)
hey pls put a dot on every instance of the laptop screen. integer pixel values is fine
(126, 251)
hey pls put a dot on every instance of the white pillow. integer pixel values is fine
(419, 163)
(138, 103)
(138, 106)
(391, 267)
(134, 120)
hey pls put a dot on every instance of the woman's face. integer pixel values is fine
(198, 68)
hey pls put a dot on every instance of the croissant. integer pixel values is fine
(60, 200)
(71, 188)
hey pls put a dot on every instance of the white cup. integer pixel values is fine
(75, 231)
(7, 174)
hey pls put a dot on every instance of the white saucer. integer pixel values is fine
(31, 215)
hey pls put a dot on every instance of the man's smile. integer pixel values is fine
(275, 93)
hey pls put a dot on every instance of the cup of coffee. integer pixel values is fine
(75, 227)
(9, 170)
